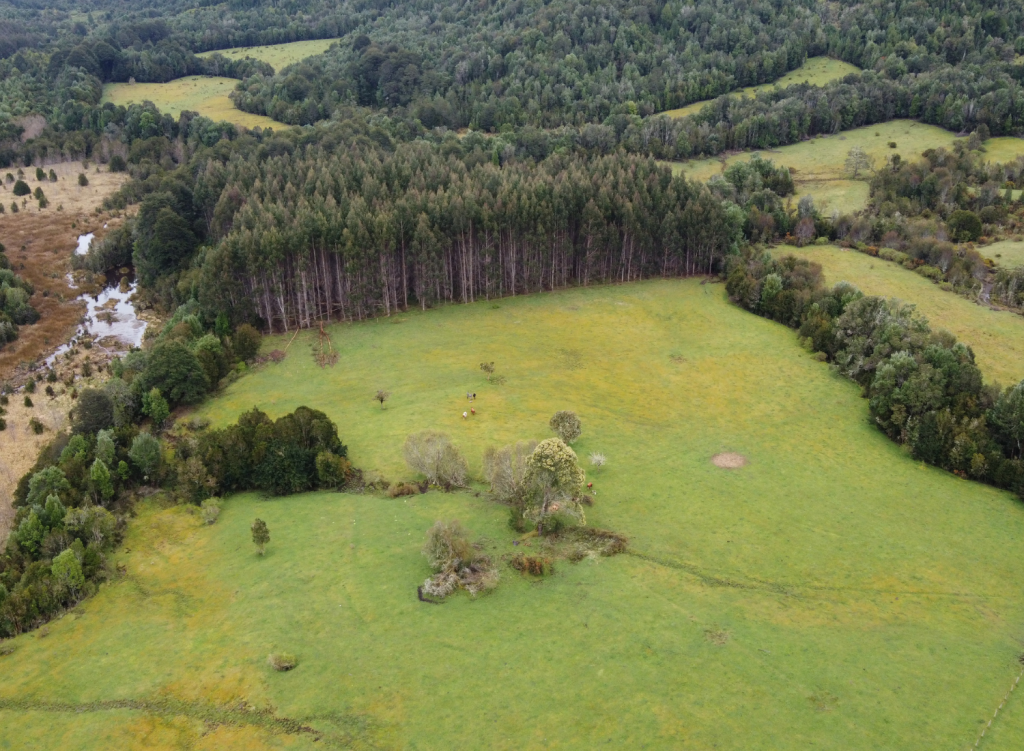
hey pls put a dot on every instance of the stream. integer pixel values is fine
(109, 314)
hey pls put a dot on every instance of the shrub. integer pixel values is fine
(433, 454)
(505, 470)
(36, 426)
(210, 510)
(398, 489)
(332, 470)
(53, 176)
(28, 401)
(282, 662)
(566, 426)
(554, 468)
(40, 175)
(117, 163)
(532, 565)
(597, 460)
(30, 386)
(21, 189)
(154, 405)
(246, 342)
(448, 546)
(964, 226)
(82, 179)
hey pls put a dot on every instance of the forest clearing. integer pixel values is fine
(816, 71)
(819, 164)
(207, 95)
(278, 56)
(793, 592)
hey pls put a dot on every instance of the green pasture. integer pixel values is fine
(207, 95)
(278, 56)
(1008, 253)
(816, 71)
(832, 594)
(997, 336)
(819, 164)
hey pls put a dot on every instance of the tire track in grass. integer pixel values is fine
(1006, 697)
(794, 590)
(240, 716)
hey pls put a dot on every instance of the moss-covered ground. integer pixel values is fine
(832, 593)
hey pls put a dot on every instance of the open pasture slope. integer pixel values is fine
(997, 336)
(816, 71)
(207, 95)
(831, 594)
(819, 164)
(278, 56)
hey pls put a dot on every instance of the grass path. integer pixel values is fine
(822, 596)
(997, 336)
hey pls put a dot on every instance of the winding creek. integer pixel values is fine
(110, 313)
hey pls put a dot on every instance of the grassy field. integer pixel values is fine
(277, 56)
(818, 164)
(831, 594)
(996, 336)
(207, 95)
(817, 71)
(1008, 253)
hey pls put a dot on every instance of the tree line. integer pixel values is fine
(924, 389)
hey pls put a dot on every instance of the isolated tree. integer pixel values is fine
(67, 570)
(433, 454)
(857, 160)
(553, 468)
(21, 189)
(53, 176)
(40, 175)
(382, 396)
(566, 425)
(82, 179)
(488, 368)
(260, 535)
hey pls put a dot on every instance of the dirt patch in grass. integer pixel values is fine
(729, 460)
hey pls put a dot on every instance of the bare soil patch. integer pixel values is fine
(729, 460)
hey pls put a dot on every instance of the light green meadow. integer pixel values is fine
(278, 56)
(832, 594)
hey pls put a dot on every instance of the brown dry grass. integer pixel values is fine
(19, 446)
(729, 460)
(40, 243)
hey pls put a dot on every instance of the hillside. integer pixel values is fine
(840, 599)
